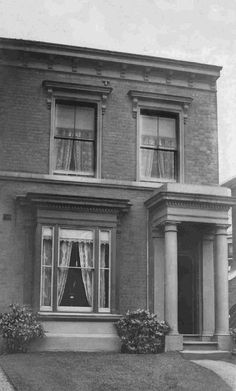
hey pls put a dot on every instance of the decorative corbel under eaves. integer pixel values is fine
(213, 83)
(191, 79)
(74, 64)
(51, 61)
(146, 74)
(99, 67)
(169, 77)
(123, 70)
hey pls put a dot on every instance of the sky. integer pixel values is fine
(193, 30)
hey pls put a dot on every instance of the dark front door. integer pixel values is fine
(187, 295)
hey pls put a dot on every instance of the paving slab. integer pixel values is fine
(225, 370)
(4, 383)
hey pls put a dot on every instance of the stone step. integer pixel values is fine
(206, 354)
(200, 345)
(192, 337)
(77, 342)
(196, 337)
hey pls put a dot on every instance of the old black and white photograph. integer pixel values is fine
(117, 195)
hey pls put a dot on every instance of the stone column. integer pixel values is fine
(221, 288)
(174, 340)
(208, 310)
(158, 272)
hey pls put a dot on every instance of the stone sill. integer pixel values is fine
(70, 316)
(81, 181)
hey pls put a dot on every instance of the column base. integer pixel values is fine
(224, 342)
(173, 342)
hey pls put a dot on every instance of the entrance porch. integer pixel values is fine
(189, 265)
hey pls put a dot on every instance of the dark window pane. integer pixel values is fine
(65, 116)
(75, 274)
(104, 288)
(85, 122)
(148, 130)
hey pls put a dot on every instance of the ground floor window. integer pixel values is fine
(75, 269)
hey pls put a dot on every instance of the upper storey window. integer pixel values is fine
(158, 145)
(160, 124)
(75, 138)
(77, 112)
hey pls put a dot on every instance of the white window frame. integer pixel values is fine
(95, 308)
(97, 132)
(97, 144)
(140, 145)
(74, 92)
(171, 104)
(101, 309)
(44, 307)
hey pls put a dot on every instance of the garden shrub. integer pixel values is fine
(18, 327)
(141, 332)
(233, 333)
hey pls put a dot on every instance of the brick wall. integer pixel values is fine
(17, 242)
(26, 126)
(24, 147)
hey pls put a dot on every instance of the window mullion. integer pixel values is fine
(96, 271)
(55, 267)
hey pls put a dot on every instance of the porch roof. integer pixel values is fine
(190, 203)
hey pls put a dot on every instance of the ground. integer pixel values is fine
(107, 372)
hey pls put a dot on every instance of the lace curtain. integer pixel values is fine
(85, 252)
(86, 262)
(65, 254)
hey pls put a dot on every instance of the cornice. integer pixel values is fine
(107, 55)
(74, 87)
(55, 57)
(138, 96)
(192, 201)
(56, 86)
(78, 203)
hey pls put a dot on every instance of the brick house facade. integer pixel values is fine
(109, 193)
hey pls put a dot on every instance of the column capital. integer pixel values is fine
(221, 229)
(170, 226)
(157, 232)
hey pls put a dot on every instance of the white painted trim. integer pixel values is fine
(168, 108)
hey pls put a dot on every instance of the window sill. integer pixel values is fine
(74, 174)
(157, 180)
(70, 316)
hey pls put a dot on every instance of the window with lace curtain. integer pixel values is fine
(75, 269)
(158, 145)
(74, 138)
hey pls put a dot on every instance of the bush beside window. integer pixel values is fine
(233, 333)
(141, 332)
(19, 327)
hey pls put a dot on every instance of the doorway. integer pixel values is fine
(187, 296)
(189, 281)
